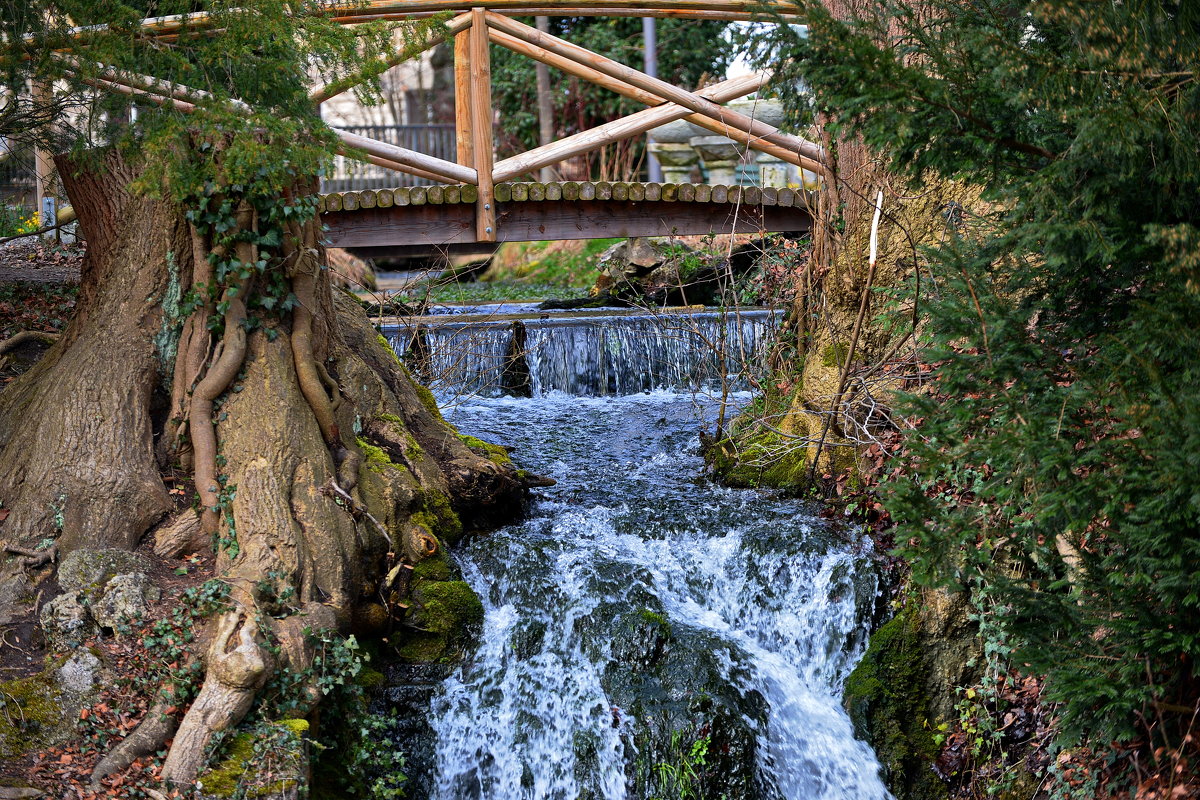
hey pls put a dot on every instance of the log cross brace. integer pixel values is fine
(477, 25)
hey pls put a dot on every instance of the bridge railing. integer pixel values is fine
(473, 31)
(480, 24)
(353, 175)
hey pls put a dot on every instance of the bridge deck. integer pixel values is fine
(442, 215)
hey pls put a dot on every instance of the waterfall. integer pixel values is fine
(588, 354)
(638, 617)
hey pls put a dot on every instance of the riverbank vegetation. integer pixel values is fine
(1038, 450)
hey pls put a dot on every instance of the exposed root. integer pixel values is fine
(232, 678)
(151, 735)
(312, 376)
(357, 509)
(184, 535)
(26, 337)
(34, 558)
(220, 374)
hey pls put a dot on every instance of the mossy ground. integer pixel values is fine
(29, 714)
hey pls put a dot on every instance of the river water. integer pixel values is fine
(648, 634)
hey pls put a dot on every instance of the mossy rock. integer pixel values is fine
(445, 615)
(888, 699)
(88, 570)
(31, 715)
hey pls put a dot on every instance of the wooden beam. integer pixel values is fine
(688, 100)
(334, 88)
(572, 67)
(410, 9)
(548, 220)
(145, 83)
(462, 99)
(392, 165)
(446, 171)
(481, 126)
(623, 128)
(590, 11)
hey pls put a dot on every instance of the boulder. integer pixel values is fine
(79, 673)
(126, 598)
(89, 570)
(66, 622)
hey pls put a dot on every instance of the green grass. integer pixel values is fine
(563, 264)
(501, 291)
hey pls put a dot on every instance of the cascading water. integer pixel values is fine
(589, 354)
(648, 634)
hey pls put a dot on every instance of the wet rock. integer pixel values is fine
(66, 621)
(91, 569)
(126, 598)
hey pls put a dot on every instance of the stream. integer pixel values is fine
(648, 634)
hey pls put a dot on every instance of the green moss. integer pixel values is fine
(494, 452)
(834, 355)
(386, 345)
(888, 703)
(763, 460)
(448, 606)
(29, 714)
(237, 773)
(377, 458)
(444, 613)
(436, 514)
(370, 679)
(391, 418)
(656, 619)
(435, 568)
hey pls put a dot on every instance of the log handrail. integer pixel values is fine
(479, 23)
(745, 10)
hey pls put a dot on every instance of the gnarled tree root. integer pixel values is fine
(155, 729)
(232, 678)
(34, 558)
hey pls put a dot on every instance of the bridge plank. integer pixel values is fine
(433, 225)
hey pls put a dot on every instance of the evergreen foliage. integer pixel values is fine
(1056, 457)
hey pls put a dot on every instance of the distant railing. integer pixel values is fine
(17, 178)
(350, 175)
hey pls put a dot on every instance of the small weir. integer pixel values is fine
(648, 634)
(604, 352)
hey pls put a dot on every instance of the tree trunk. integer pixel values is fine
(321, 466)
(76, 434)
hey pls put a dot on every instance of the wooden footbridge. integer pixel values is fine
(477, 199)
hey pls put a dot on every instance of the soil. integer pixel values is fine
(40, 261)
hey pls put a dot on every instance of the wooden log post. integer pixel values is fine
(481, 125)
(462, 98)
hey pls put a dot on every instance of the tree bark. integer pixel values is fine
(64, 422)
(281, 416)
